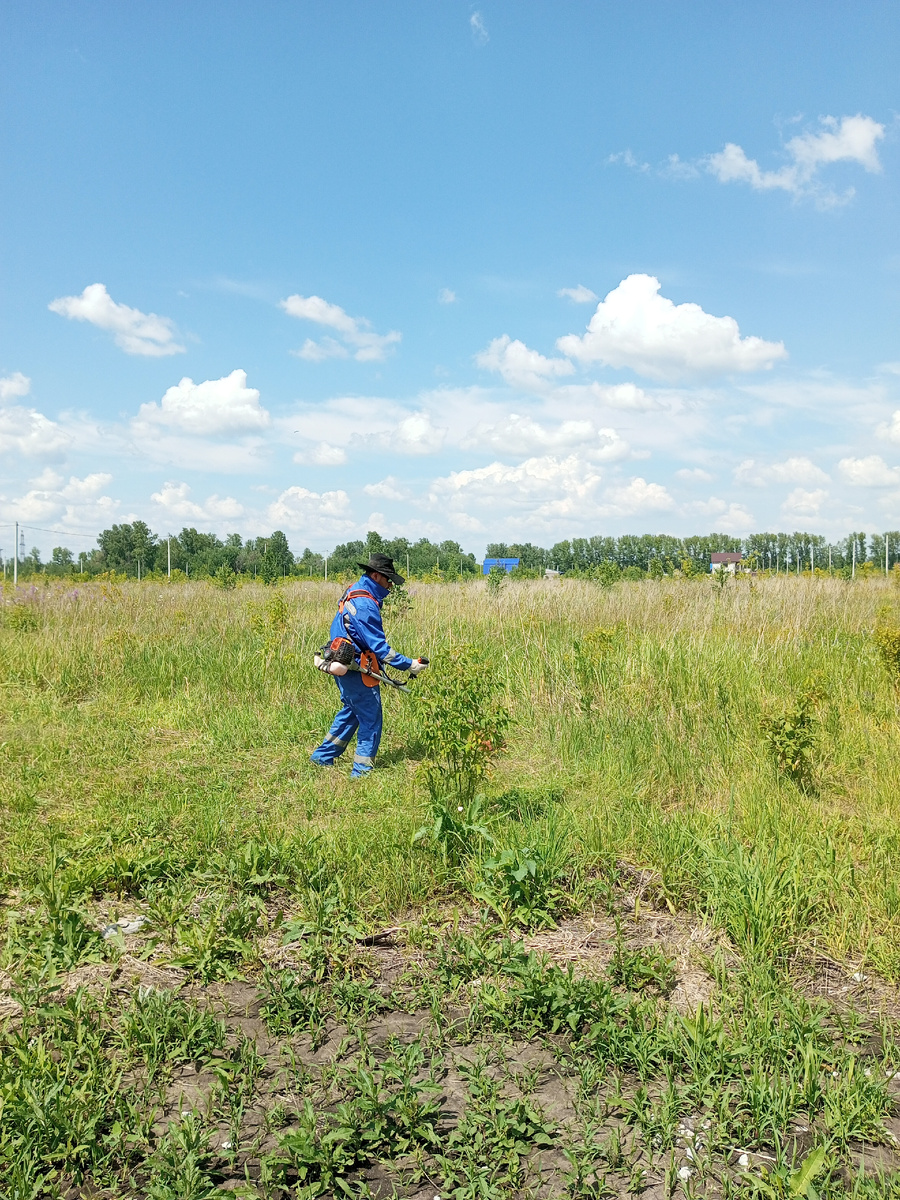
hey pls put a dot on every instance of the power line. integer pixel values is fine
(62, 532)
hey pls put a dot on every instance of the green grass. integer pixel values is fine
(738, 742)
(173, 723)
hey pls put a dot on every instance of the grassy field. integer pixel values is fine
(641, 939)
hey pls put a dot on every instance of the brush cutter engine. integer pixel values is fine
(336, 657)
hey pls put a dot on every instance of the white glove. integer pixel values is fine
(418, 666)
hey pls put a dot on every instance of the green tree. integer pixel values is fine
(123, 546)
(280, 552)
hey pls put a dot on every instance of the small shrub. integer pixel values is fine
(270, 619)
(462, 725)
(606, 573)
(887, 639)
(588, 659)
(791, 736)
(398, 601)
(23, 617)
(225, 578)
(270, 624)
(496, 579)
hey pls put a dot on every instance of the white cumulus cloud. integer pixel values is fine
(850, 139)
(803, 503)
(636, 327)
(579, 294)
(76, 503)
(215, 406)
(314, 514)
(446, 296)
(520, 366)
(796, 470)
(317, 352)
(16, 384)
(547, 487)
(615, 395)
(694, 475)
(134, 332)
(637, 496)
(891, 429)
(729, 518)
(518, 434)
(355, 333)
(414, 435)
(323, 455)
(386, 489)
(28, 432)
(872, 471)
(372, 423)
(173, 500)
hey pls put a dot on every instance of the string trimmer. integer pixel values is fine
(338, 657)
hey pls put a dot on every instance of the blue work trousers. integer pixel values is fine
(360, 714)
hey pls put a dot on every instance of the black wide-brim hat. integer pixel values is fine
(384, 566)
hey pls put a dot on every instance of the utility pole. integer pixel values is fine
(169, 556)
(887, 542)
(812, 557)
(16, 558)
(829, 560)
(326, 568)
(853, 569)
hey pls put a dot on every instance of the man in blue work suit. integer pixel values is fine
(358, 619)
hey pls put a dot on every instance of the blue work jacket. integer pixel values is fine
(364, 627)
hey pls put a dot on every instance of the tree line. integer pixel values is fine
(135, 551)
(655, 553)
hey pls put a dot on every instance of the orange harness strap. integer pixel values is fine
(367, 660)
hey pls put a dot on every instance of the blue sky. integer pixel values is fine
(494, 272)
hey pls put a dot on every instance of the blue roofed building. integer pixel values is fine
(508, 564)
